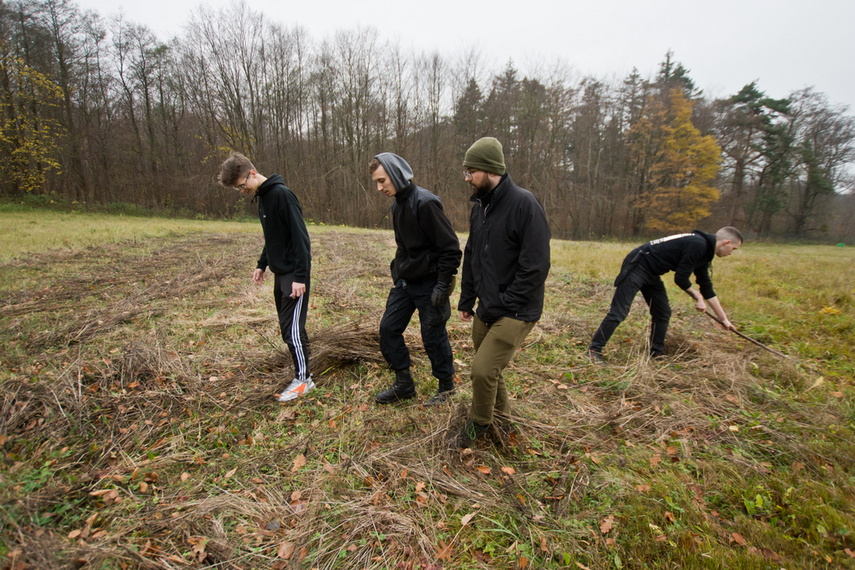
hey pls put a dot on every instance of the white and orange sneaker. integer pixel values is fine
(296, 389)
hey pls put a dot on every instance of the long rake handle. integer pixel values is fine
(748, 338)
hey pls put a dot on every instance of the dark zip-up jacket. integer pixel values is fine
(683, 254)
(287, 248)
(428, 248)
(506, 259)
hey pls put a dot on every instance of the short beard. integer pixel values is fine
(483, 188)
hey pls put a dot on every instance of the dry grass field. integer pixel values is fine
(138, 425)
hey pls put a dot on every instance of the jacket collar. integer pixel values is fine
(267, 185)
(708, 236)
(404, 193)
(711, 241)
(496, 193)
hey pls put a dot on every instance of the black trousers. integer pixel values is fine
(292, 322)
(404, 299)
(639, 278)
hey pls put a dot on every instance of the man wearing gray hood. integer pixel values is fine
(423, 271)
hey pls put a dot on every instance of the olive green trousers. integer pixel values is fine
(495, 345)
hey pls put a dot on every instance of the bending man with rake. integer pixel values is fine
(642, 269)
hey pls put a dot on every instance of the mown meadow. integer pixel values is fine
(139, 428)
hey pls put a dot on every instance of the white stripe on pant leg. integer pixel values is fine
(297, 341)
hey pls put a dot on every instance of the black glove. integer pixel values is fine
(439, 295)
(438, 316)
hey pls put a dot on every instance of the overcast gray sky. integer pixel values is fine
(784, 44)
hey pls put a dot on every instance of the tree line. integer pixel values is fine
(101, 111)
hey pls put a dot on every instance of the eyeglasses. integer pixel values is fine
(469, 173)
(242, 187)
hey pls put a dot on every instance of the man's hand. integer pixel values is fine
(700, 305)
(439, 295)
(297, 289)
(466, 316)
(258, 276)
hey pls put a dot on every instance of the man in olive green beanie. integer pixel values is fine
(505, 265)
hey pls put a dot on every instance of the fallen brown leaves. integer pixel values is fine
(606, 524)
(299, 463)
(286, 550)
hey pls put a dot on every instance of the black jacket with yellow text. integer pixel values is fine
(683, 254)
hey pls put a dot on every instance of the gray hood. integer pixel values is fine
(397, 168)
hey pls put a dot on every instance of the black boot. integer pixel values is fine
(596, 357)
(402, 389)
(470, 432)
(445, 390)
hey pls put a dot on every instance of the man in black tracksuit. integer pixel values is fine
(287, 252)
(423, 271)
(642, 269)
(505, 265)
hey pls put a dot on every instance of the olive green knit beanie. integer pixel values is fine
(485, 154)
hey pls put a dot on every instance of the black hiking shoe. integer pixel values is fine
(470, 433)
(441, 397)
(657, 354)
(596, 357)
(443, 392)
(402, 389)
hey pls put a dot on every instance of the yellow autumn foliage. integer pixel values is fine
(28, 136)
(686, 163)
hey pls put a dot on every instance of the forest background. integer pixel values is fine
(98, 112)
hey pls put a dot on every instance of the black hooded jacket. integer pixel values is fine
(428, 248)
(286, 240)
(506, 260)
(683, 254)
